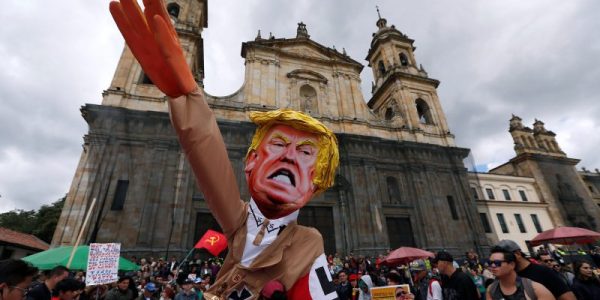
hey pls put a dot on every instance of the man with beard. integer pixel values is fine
(292, 158)
(456, 285)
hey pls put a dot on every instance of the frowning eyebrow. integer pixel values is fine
(280, 136)
(307, 142)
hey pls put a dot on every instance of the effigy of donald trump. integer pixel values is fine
(292, 158)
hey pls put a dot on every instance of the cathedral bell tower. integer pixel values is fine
(537, 140)
(403, 93)
(131, 88)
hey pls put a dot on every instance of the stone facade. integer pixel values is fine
(559, 183)
(401, 180)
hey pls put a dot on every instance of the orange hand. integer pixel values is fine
(153, 41)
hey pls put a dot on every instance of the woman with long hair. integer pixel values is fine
(586, 285)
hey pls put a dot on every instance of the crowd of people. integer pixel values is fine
(507, 273)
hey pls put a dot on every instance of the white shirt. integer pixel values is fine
(436, 291)
(253, 224)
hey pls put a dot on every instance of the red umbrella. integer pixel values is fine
(566, 236)
(404, 255)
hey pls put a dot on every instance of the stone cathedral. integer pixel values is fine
(401, 182)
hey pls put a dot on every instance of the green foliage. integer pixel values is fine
(40, 223)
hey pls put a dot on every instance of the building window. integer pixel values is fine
(523, 195)
(502, 223)
(173, 10)
(506, 194)
(520, 223)
(381, 67)
(536, 223)
(389, 113)
(452, 206)
(424, 112)
(490, 194)
(486, 224)
(120, 195)
(145, 79)
(403, 59)
(308, 98)
(393, 190)
(591, 189)
(474, 193)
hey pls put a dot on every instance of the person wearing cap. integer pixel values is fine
(538, 273)
(353, 278)
(456, 285)
(199, 287)
(149, 292)
(507, 284)
(425, 287)
(187, 293)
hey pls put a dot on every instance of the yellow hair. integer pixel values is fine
(328, 157)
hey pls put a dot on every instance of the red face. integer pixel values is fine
(280, 172)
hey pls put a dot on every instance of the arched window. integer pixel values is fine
(424, 112)
(381, 67)
(393, 190)
(173, 9)
(308, 98)
(389, 113)
(403, 59)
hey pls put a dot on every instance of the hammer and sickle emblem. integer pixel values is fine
(212, 240)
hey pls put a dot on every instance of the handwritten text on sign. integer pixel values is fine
(103, 263)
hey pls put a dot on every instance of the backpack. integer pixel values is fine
(429, 289)
(527, 284)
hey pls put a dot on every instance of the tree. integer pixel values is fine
(41, 223)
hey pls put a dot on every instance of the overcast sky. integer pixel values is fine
(536, 59)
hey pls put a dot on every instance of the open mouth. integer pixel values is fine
(285, 176)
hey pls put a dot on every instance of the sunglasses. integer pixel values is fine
(496, 263)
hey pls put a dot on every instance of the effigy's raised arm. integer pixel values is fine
(154, 43)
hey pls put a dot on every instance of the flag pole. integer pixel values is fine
(83, 226)
(184, 259)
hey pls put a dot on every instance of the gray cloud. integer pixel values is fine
(537, 59)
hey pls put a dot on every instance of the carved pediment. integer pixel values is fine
(305, 51)
(304, 74)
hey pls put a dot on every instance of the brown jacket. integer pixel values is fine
(288, 258)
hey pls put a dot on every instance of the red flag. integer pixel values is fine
(214, 242)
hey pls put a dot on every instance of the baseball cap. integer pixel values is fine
(353, 277)
(187, 281)
(418, 265)
(508, 245)
(272, 287)
(150, 287)
(197, 280)
(443, 256)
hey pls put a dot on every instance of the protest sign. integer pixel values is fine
(390, 292)
(103, 263)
